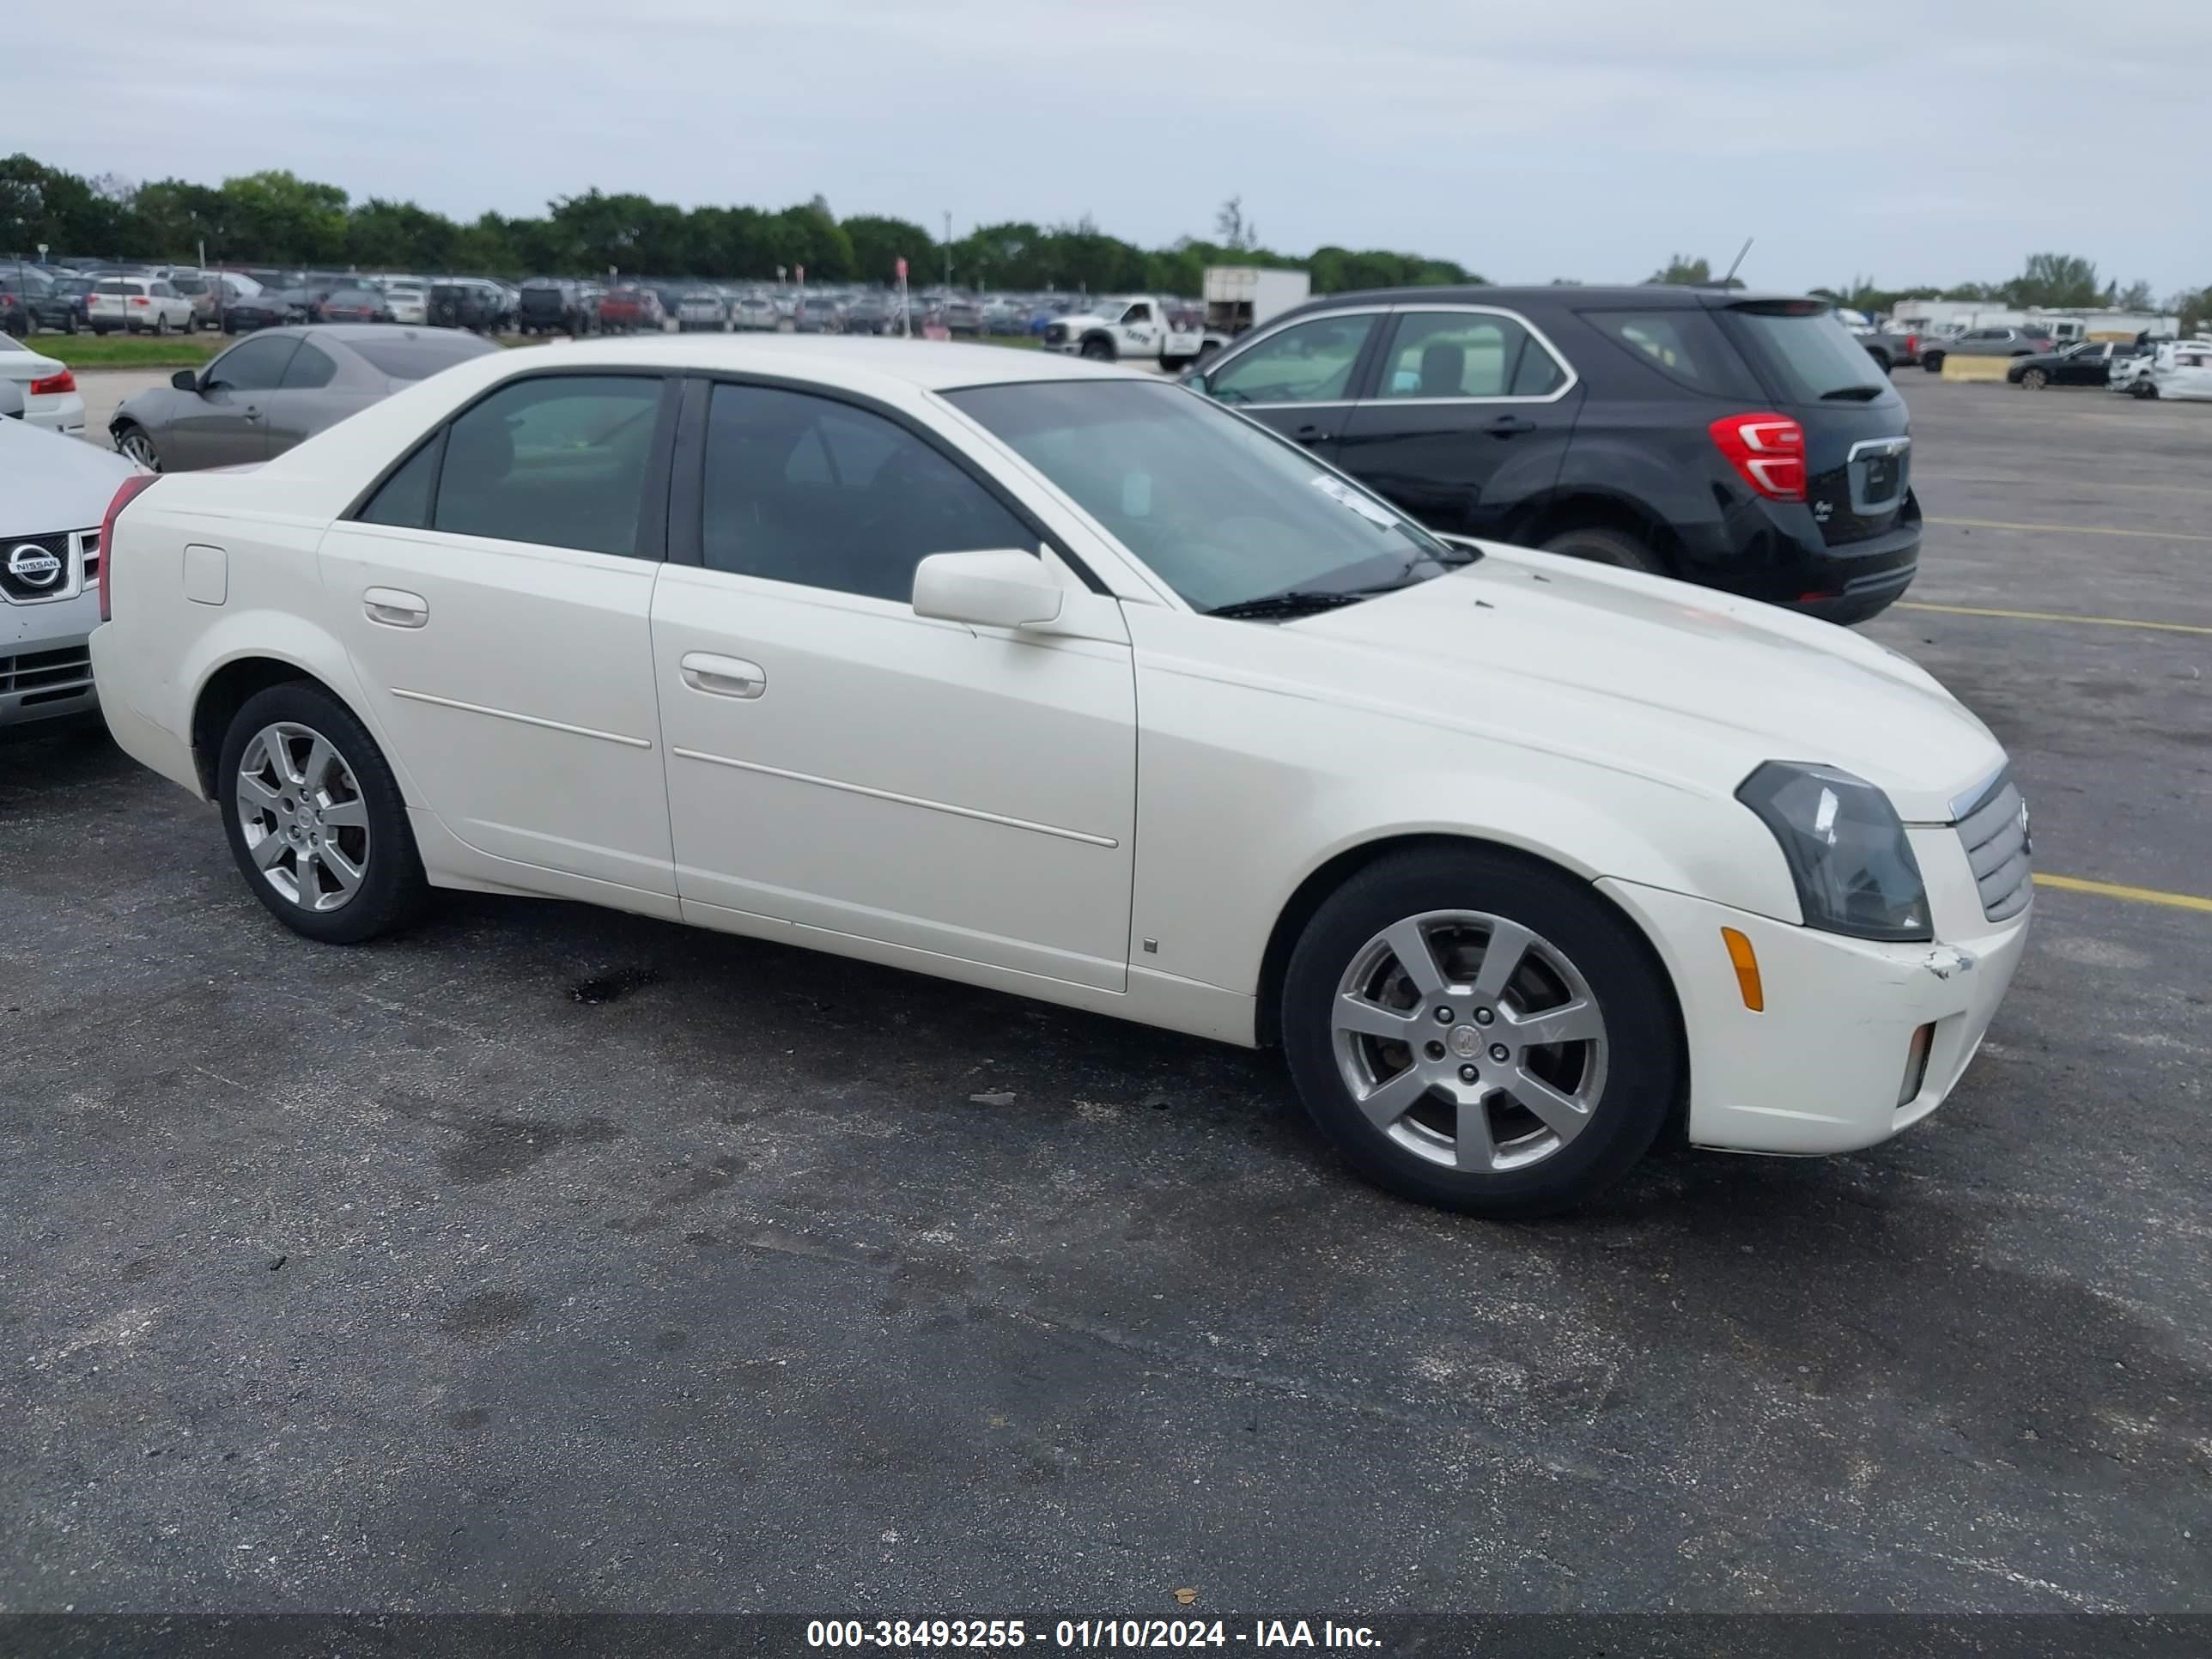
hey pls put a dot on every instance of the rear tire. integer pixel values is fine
(1613, 547)
(1502, 941)
(348, 814)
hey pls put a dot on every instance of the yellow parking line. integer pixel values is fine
(2133, 894)
(2075, 529)
(2130, 486)
(2051, 617)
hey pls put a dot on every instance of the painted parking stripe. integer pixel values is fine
(2074, 530)
(2051, 617)
(2132, 895)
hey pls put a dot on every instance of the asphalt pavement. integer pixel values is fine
(553, 1259)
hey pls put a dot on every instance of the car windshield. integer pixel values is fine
(1225, 511)
(1806, 355)
(419, 356)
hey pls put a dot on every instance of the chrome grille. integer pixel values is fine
(1055, 333)
(1994, 832)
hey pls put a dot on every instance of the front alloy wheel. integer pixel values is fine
(134, 445)
(1480, 1030)
(1470, 1040)
(2034, 379)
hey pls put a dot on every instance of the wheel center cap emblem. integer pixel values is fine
(1465, 1042)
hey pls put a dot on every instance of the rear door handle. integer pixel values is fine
(723, 677)
(1310, 435)
(1506, 425)
(395, 607)
(251, 413)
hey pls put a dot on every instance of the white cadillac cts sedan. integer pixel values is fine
(1061, 680)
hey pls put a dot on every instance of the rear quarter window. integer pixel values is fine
(1802, 351)
(1681, 343)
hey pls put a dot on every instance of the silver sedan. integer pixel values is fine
(276, 387)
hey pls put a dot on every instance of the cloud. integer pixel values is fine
(1579, 138)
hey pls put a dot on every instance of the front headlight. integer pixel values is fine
(1846, 850)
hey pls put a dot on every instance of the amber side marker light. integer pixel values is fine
(1746, 969)
(1915, 1064)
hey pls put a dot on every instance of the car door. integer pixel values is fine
(225, 423)
(2086, 365)
(838, 762)
(1301, 377)
(1469, 417)
(493, 595)
(1139, 332)
(304, 402)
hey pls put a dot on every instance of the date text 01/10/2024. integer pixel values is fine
(1089, 1634)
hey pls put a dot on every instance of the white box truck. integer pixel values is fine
(1241, 297)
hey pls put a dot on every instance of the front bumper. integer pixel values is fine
(1821, 1070)
(45, 669)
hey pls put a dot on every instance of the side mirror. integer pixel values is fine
(1003, 589)
(185, 379)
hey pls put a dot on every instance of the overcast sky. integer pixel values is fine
(1939, 142)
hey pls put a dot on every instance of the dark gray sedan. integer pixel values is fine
(276, 387)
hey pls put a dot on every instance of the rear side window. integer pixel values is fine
(420, 358)
(559, 461)
(405, 499)
(1803, 353)
(1683, 344)
(308, 369)
(1449, 354)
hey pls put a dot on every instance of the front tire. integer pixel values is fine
(1613, 547)
(315, 819)
(133, 444)
(2144, 389)
(1933, 362)
(2034, 379)
(1099, 349)
(1476, 1030)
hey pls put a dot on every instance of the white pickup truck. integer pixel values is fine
(1112, 327)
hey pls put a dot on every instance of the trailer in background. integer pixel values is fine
(1242, 297)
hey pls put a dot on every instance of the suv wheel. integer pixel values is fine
(315, 819)
(1613, 547)
(1480, 1031)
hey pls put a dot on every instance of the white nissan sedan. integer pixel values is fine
(1061, 680)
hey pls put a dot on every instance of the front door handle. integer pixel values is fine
(1310, 435)
(251, 413)
(723, 677)
(395, 607)
(1506, 425)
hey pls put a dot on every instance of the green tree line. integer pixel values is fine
(275, 218)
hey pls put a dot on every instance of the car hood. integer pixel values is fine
(50, 482)
(1658, 677)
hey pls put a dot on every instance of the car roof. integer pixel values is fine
(1644, 296)
(931, 365)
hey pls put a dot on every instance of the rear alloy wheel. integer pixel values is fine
(1613, 547)
(315, 819)
(1479, 1031)
(2034, 379)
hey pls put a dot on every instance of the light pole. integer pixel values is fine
(948, 248)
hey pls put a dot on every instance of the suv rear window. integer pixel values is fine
(113, 287)
(1681, 343)
(420, 358)
(1805, 353)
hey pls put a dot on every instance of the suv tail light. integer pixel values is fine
(1767, 452)
(64, 381)
(125, 493)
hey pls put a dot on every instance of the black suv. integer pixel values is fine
(551, 305)
(1744, 441)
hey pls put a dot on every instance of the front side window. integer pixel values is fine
(251, 366)
(559, 459)
(1225, 512)
(806, 490)
(1138, 314)
(1444, 353)
(1307, 362)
